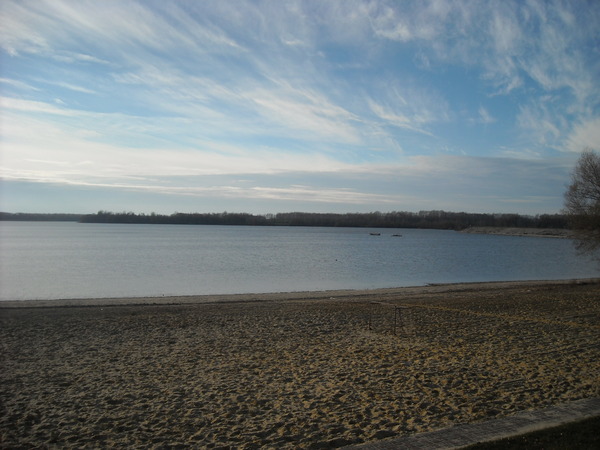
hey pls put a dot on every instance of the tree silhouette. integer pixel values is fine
(582, 201)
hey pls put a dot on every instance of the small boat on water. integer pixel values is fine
(375, 234)
(396, 235)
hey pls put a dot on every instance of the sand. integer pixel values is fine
(301, 370)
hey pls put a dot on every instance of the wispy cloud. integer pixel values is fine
(484, 116)
(74, 87)
(19, 84)
(304, 110)
(9, 103)
(512, 42)
(397, 119)
(584, 135)
(538, 120)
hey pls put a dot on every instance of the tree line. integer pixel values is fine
(40, 217)
(395, 219)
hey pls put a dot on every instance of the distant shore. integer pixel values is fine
(292, 370)
(515, 231)
(444, 220)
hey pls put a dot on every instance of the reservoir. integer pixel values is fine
(61, 260)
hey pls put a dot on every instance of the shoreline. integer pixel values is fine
(556, 233)
(281, 296)
(300, 370)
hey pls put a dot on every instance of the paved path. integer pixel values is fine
(467, 434)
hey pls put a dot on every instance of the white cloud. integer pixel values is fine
(130, 31)
(509, 40)
(585, 134)
(71, 57)
(506, 34)
(484, 116)
(9, 103)
(407, 104)
(305, 111)
(19, 84)
(270, 107)
(68, 146)
(414, 21)
(397, 119)
(74, 87)
(540, 125)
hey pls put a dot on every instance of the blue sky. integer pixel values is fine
(313, 105)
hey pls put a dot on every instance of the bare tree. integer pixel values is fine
(582, 201)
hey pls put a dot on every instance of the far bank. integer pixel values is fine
(561, 233)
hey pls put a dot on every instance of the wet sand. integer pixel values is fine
(299, 370)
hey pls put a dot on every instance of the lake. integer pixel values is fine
(46, 260)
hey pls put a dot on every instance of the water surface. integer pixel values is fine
(70, 260)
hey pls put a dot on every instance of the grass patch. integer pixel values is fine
(581, 435)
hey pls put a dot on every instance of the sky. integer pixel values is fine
(314, 105)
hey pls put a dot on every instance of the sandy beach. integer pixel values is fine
(298, 370)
